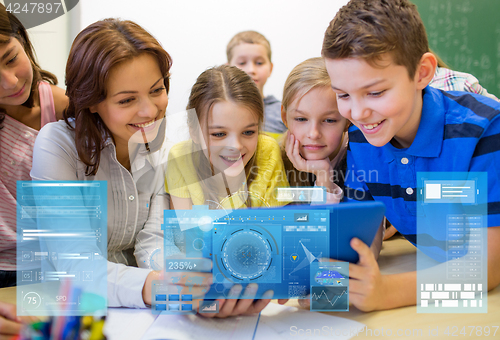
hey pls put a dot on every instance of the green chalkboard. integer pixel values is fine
(466, 35)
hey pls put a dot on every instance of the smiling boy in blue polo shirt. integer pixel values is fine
(376, 53)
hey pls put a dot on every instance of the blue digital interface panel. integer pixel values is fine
(311, 195)
(452, 223)
(169, 298)
(329, 286)
(273, 248)
(61, 247)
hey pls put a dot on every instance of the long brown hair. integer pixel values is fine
(95, 51)
(217, 84)
(11, 27)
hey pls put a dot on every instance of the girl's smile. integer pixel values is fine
(232, 136)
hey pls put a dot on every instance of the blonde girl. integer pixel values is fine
(315, 146)
(317, 138)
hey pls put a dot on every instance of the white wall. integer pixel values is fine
(196, 32)
(52, 42)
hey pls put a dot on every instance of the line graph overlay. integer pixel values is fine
(329, 298)
(329, 286)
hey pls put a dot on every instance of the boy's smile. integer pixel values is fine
(380, 99)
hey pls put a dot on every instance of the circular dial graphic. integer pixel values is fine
(31, 301)
(154, 260)
(246, 254)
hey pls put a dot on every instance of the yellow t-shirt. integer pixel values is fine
(182, 179)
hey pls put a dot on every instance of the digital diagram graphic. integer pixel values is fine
(271, 247)
(329, 286)
(61, 243)
(329, 299)
(452, 262)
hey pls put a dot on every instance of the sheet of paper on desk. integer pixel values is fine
(127, 323)
(283, 322)
(198, 327)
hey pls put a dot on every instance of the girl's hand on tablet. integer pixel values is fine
(193, 283)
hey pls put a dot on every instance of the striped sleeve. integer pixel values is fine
(486, 158)
(482, 127)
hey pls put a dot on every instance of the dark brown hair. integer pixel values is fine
(249, 37)
(11, 27)
(95, 51)
(218, 84)
(369, 28)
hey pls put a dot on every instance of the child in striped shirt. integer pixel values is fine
(29, 99)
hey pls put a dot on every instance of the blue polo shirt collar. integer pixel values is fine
(429, 139)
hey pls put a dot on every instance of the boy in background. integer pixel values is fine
(251, 52)
(377, 55)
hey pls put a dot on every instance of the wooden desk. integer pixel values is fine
(397, 256)
(8, 294)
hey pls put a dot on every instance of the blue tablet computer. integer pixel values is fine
(273, 247)
(348, 220)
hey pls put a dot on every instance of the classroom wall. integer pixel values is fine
(196, 32)
(52, 42)
(466, 35)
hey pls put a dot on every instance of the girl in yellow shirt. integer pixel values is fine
(226, 163)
